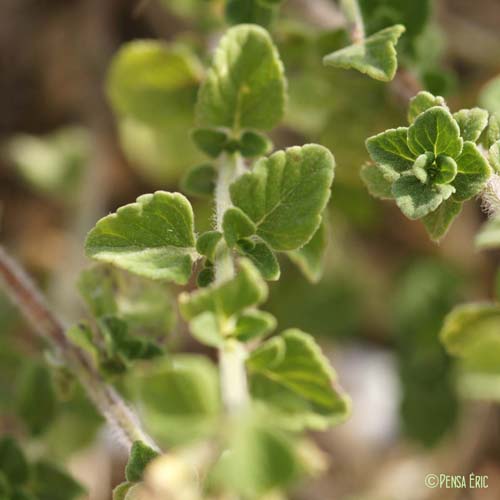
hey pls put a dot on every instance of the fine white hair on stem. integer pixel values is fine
(490, 197)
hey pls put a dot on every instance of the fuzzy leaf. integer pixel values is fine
(236, 226)
(472, 122)
(140, 456)
(494, 156)
(13, 464)
(438, 222)
(493, 131)
(263, 258)
(310, 257)
(416, 199)
(376, 55)
(435, 131)
(489, 236)
(254, 324)
(473, 173)
(253, 144)
(245, 87)
(378, 179)
(200, 180)
(390, 149)
(210, 141)
(285, 194)
(150, 81)
(49, 482)
(299, 384)
(244, 290)
(153, 237)
(422, 102)
(205, 328)
(207, 243)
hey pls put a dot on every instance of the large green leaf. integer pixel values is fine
(246, 289)
(245, 86)
(291, 374)
(286, 194)
(153, 237)
(150, 81)
(375, 55)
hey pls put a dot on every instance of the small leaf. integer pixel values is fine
(13, 464)
(415, 199)
(264, 259)
(245, 87)
(51, 483)
(447, 170)
(299, 385)
(36, 400)
(210, 141)
(378, 180)
(200, 180)
(422, 102)
(472, 122)
(286, 194)
(150, 81)
(489, 236)
(244, 290)
(252, 144)
(254, 324)
(236, 226)
(310, 257)
(120, 492)
(494, 156)
(390, 149)
(473, 173)
(435, 131)
(207, 243)
(205, 328)
(153, 237)
(140, 456)
(375, 55)
(438, 222)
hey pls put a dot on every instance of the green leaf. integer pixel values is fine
(153, 237)
(51, 483)
(422, 102)
(435, 131)
(447, 170)
(378, 179)
(254, 324)
(13, 464)
(245, 87)
(390, 150)
(298, 384)
(250, 11)
(207, 242)
(489, 236)
(264, 259)
(179, 397)
(140, 456)
(150, 81)
(236, 226)
(310, 257)
(494, 156)
(415, 199)
(246, 289)
(375, 55)
(97, 287)
(252, 144)
(210, 141)
(205, 328)
(472, 122)
(36, 400)
(206, 276)
(493, 131)
(286, 194)
(438, 221)
(82, 336)
(200, 180)
(473, 173)
(120, 492)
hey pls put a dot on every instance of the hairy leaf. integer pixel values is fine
(207, 242)
(236, 225)
(210, 141)
(263, 258)
(494, 156)
(245, 86)
(472, 122)
(391, 150)
(376, 55)
(438, 222)
(422, 102)
(285, 194)
(379, 179)
(153, 237)
(253, 144)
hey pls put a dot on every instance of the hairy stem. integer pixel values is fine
(29, 300)
(355, 25)
(233, 378)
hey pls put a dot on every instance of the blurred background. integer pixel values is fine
(67, 159)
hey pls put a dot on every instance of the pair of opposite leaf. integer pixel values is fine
(431, 167)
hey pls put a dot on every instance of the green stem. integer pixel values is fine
(352, 13)
(233, 377)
